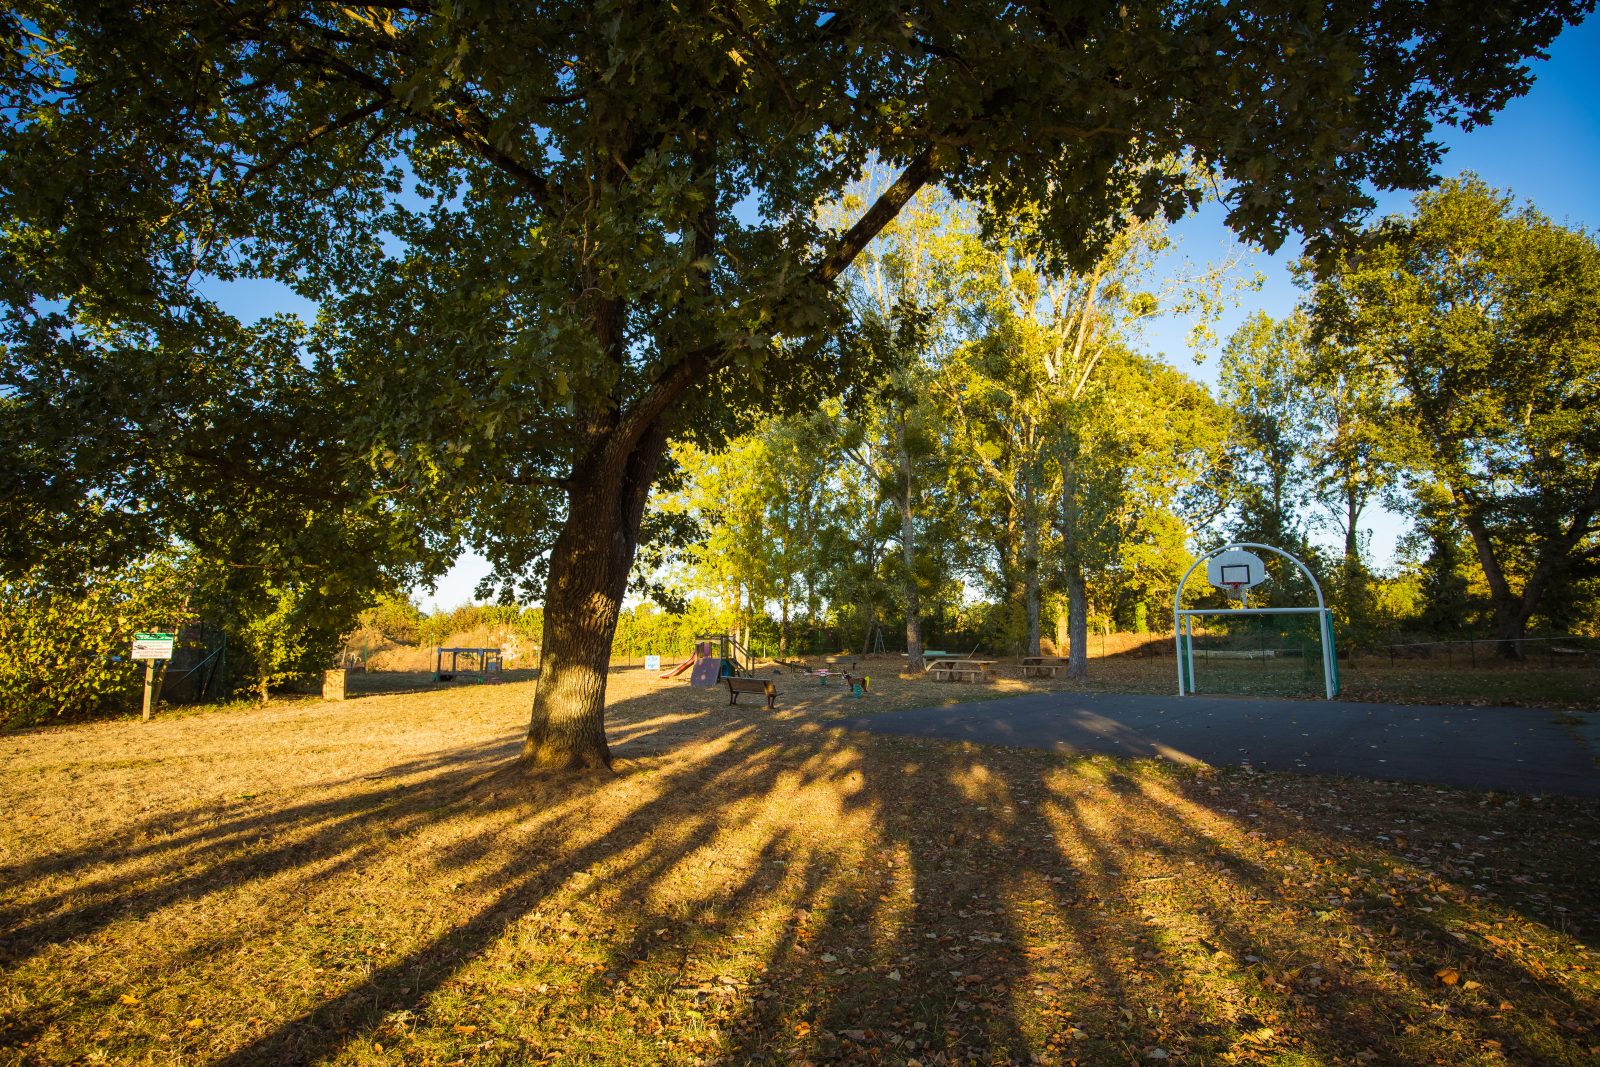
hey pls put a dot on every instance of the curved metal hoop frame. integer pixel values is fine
(1182, 615)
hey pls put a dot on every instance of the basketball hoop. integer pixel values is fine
(1236, 570)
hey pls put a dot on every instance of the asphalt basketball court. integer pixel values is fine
(1522, 750)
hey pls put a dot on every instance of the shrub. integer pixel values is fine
(396, 619)
(64, 647)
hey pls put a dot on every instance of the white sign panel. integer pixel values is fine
(153, 646)
(652, 663)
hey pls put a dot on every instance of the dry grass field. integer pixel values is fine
(373, 882)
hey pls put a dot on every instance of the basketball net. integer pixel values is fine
(1237, 589)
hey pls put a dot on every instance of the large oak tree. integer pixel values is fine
(1481, 321)
(547, 238)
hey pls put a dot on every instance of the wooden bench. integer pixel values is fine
(847, 662)
(738, 685)
(1043, 666)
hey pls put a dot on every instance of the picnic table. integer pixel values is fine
(961, 670)
(1043, 666)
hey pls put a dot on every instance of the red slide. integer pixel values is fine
(679, 669)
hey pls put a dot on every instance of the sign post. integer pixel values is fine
(150, 648)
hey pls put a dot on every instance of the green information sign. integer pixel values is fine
(153, 645)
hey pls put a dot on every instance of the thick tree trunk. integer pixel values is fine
(783, 629)
(1030, 581)
(589, 566)
(1510, 626)
(1511, 612)
(1077, 624)
(908, 554)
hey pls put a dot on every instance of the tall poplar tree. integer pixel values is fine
(1265, 380)
(904, 312)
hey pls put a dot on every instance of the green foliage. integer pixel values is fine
(647, 630)
(436, 629)
(1264, 380)
(278, 636)
(64, 650)
(520, 221)
(1482, 320)
(1048, 415)
(1139, 467)
(1311, 432)
(528, 230)
(395, 619)
(1396, 602)
(229, 454)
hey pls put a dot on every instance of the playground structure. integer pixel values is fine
(484, 664)
(1237, 570)
(715, 656)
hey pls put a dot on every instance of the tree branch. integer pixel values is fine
(311, 136)
(465, 127)
(917, 174)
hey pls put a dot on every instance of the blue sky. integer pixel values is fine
(1544, 147)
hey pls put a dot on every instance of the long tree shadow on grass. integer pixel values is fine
(770, 891)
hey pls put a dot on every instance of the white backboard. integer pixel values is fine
(1236, 565)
